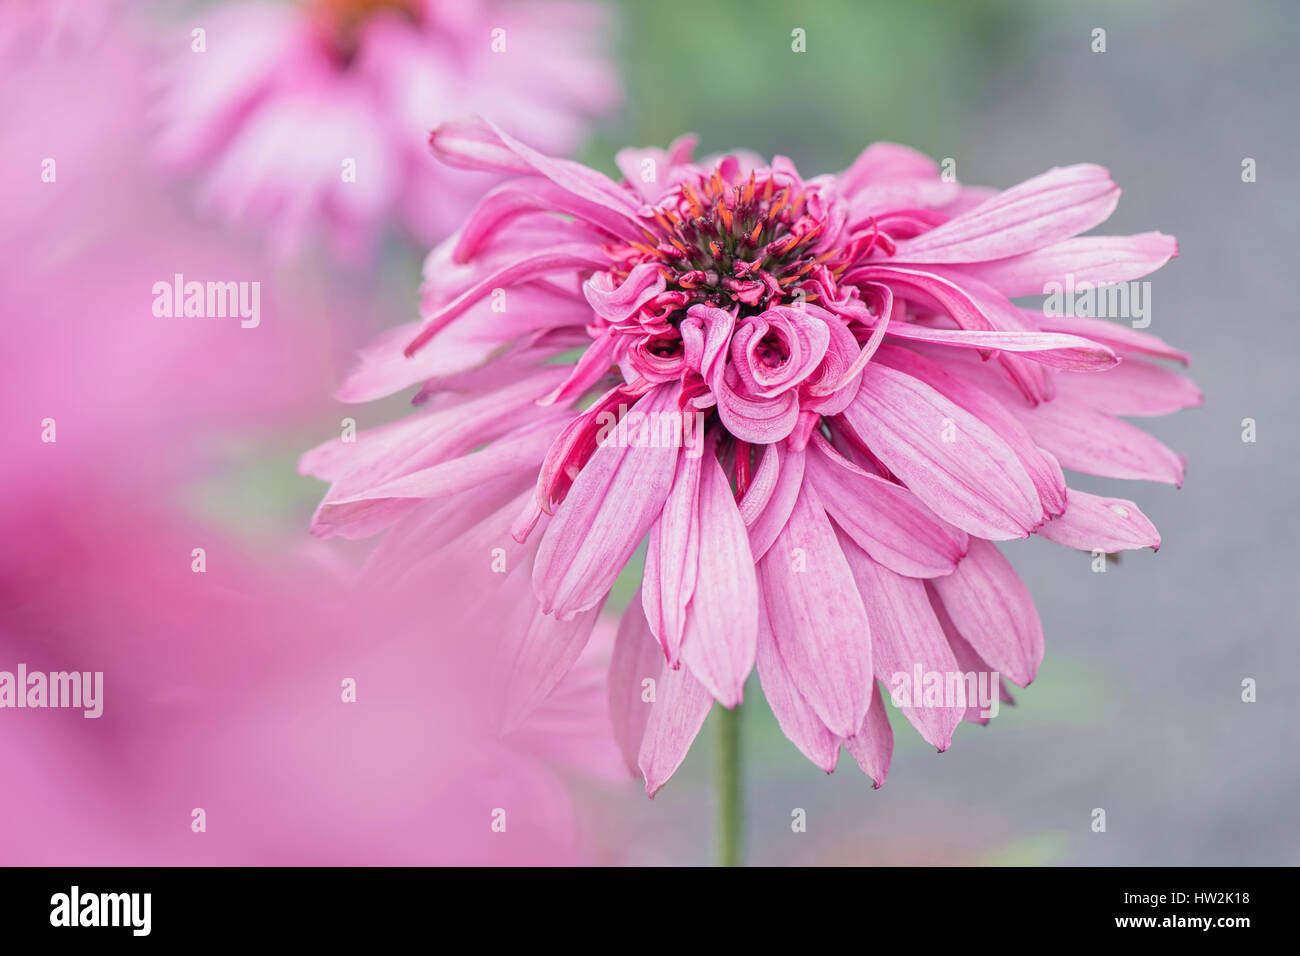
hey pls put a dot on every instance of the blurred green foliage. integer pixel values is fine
(898, 70)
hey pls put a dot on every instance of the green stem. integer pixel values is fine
(730, 810)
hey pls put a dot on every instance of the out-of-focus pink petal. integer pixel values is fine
(538, 650)
(367, 512)
(637, 658)
(657, 711)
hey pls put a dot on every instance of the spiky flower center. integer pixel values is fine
(724, 245)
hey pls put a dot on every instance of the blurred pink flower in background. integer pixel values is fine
(314, 115)
(222, 689)
(876, 414)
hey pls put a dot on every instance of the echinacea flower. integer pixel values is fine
(813, 399)
(313, 115)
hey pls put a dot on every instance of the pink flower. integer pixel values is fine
(221, 690)
(875, 411)
(313, 115)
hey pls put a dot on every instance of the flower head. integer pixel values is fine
(313, 115)
(812, 398)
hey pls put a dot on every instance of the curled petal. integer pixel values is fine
(1093, 523)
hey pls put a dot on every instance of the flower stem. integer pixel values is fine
(730, 810)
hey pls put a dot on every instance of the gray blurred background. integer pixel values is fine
(1138, 707)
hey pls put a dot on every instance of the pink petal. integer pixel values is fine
(383, 369)
(1052, 349)
(660, 731)
(538, 651)
(722, 620)
(766, 520)
(797, 720)
(636, 658)
(759, 422)
(886, 520)
(672, 560)
(561, 258)
(818, 618)
(1100, 260)
(1060, 203)
(1134, 387)
(681, 706)
(381, 454)
(933, 292)
(975, 482)
(1092, 523)
(991, 608)
(1088, 441)
(1117, 336)
(591, 367)
(1042, 468)
(762, 484)
(885, 163)
(642, 284)
(970, 663)
(513, 199)
(905, 635)
(479, 144)
(873, 745)
(615, 499)
(368, 512)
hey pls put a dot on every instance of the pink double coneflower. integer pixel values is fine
(812, 399)
(312, 116)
